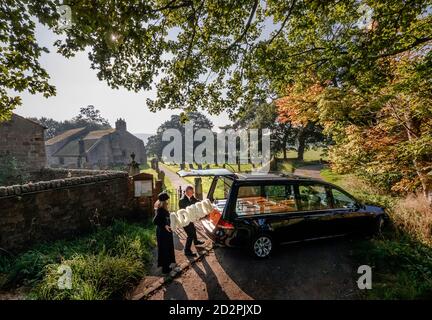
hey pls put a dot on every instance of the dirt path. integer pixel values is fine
(312, 270)
(173, 177)
(320, 270)
(312, 171)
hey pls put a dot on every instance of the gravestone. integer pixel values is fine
(133, 166)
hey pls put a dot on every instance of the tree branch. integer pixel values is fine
(283, 23)
(248, 24)
(170, 5)
(411, 46)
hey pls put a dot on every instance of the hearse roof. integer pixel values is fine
(273, 176)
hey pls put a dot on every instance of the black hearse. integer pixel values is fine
(258, 211)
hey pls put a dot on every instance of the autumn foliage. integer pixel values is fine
(384, 134)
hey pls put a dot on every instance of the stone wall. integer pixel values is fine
(24, 140)
(59, 208)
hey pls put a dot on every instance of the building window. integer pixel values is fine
(61, 160)
(124, 153)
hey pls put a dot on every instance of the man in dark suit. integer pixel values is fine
(187, 200)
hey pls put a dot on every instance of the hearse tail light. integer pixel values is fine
(225, 224)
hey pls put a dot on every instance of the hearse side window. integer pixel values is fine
(253, 200)
(313, 197)
(341, 200)
(223, 186)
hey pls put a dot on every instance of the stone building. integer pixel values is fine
(23, 139)
(81, 148)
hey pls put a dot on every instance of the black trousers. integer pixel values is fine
(191, 236)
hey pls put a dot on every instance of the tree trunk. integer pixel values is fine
(301, 145)
(413, 132)
(425, 181)
(284, 145)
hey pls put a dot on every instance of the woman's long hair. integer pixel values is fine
(161, 204)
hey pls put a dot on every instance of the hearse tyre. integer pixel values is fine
(262, 246)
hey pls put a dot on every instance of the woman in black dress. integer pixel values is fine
(164, 234)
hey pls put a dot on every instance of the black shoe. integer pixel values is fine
(190, 254)
(199, 243)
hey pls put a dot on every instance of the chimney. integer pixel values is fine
(120, 125)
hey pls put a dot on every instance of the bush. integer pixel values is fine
(94, 277)
(11, 172)
(104, 264)
(413, 216)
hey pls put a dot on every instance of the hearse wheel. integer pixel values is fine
(262, 246)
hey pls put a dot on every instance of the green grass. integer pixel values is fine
(105, 264)
(401, 264)
(402, 268)
(291, 163)
(308, 156)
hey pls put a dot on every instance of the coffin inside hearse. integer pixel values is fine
(252, 200)
(260, 205)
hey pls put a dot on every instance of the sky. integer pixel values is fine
(78, 86)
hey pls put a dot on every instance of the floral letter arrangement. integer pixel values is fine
(193, 213)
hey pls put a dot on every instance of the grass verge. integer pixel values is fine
(401, 257)
(146, 168)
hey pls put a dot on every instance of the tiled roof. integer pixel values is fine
(97, 134)
(63, 136)
(72, 148)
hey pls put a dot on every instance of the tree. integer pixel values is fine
(220, 55)
(385, 135)
(155, 145)
(298, 108)
(90, 115)
(20, 69)
(223, 55)
(265, 116)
